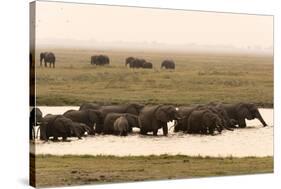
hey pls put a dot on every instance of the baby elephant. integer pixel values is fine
(121, 126)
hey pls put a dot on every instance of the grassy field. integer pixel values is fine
(78, 170)
(198, 78)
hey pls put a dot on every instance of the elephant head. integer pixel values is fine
(94, 118)
(250, 111)
(212, 122)
(167, 113)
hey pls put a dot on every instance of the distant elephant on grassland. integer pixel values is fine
(153, 118)
(35, 118)
(121, 126)
(100, 60)
(168, 64)
(241, 111)
(88, 117)
(48, 57)
(129, 60)
(148, 65)
(108, 126)
(132, 108)
(137, 63)
(87, 106)
(58, 126)
(203, 122)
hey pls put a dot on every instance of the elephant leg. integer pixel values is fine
(155, 131)
(45, 62)
(211, 131)
(53, 65)
(242, 123)
(142, 132)
(165, 130)
(55, 139)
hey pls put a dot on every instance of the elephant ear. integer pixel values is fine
(93, 114)
(161, 114)
(243, 111)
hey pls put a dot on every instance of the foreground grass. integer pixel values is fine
(198, 78)
(78, 170)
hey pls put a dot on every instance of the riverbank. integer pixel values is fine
(79, 170)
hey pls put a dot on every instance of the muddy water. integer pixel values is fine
(254, 140)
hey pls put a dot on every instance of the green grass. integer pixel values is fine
(198, 78)
(78, 170)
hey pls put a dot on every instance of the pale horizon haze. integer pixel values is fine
(99, 26)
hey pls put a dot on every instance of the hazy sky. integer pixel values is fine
(83, 24)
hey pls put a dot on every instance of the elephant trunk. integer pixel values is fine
(259, 117)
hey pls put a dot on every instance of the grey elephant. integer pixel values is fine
(221, 113)
(48, 57)
(129, 60)
(88, 117)
(81, 129)
(153, 118)
(100, 60)
(168, 64)
(137, 63)
(203, 122)
(108, 126)
(147, 65)
(132, 108)
(184, 111)
(241, 111)
(35, 118)
(121, 126)
(58, 126)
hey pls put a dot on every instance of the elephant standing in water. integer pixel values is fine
(168, 64)
(108, 126)
(132, 108)
(203, 122)
(181, 125)
(121, 126)
(88, 117)
(241, 111)
(153, 118)
(58, 126)
(35, 118)
(48, 57)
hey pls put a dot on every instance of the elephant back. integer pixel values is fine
(91, 106)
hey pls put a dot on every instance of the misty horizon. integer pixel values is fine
(66, 25)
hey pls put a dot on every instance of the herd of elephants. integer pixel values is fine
(91, 119)
(100, 60)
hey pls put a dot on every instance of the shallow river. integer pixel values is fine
(254, 140)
